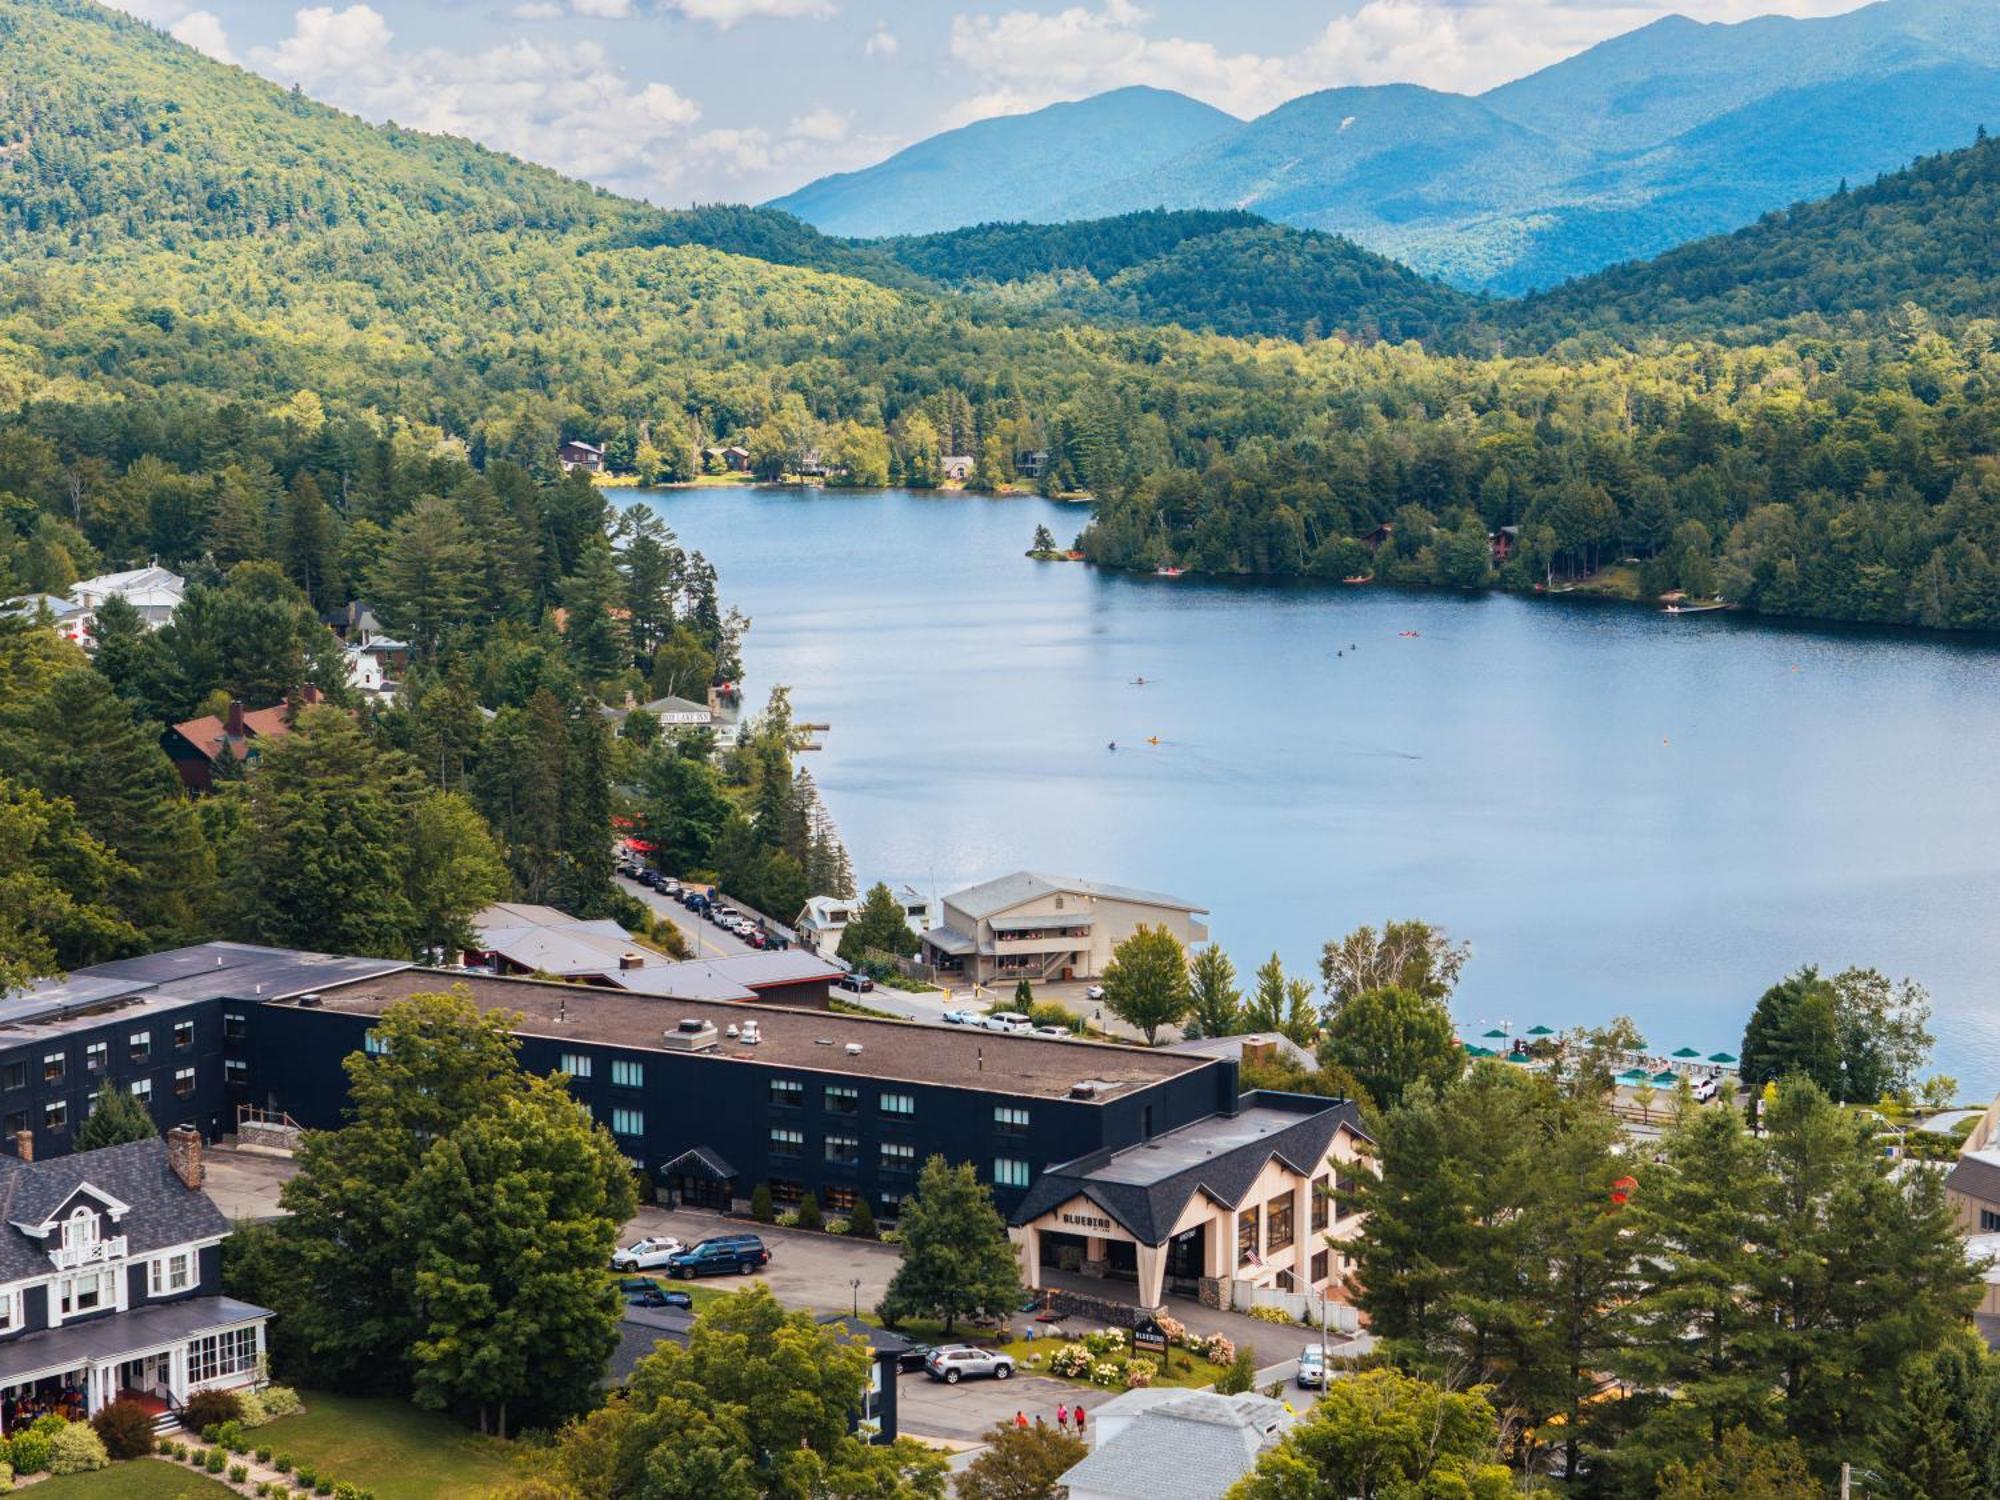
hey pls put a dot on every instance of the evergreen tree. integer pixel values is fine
(1215, 1005)
(424, 583)
(452, 871)
(122, 639)
(956, 1256)
(311, 550)
(594, 632)
(1745, 1468)
(116, 1118)
(1281, 1004)
(880, 926)
(1922, 1457)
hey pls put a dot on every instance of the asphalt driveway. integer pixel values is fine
(966, 1412)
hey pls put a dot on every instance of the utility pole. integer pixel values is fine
(1846, 1481)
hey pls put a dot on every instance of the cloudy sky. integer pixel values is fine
(740, 100)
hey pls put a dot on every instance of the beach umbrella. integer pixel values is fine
(1495, 1035)
(1721, 1057)
(1518, 1057)
(1541, 1031)
(1634, 1075)
(1669, 1076)
(1687, 1052)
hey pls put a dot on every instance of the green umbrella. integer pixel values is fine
(1721, 1057)
(1667, 1077)
(1541, 1031)
(1518, 1057)
(1634, 1075)
(1687, 1052)
(1496, 1034)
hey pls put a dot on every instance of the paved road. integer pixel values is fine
(705, 939)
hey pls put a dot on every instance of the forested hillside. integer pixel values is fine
(193, 253)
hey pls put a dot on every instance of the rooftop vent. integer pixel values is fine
(691, 1035)
(751, 1036)
(1085, 1090)
(822, 1041)
(730, 1031)
(854, 1049)
(310, 999)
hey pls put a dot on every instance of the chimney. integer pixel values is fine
(24, 1144)
(311, 693)
(1259, 1050)
(184, 1156)
(234, 728)
(631, 961)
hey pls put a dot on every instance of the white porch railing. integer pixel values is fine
(69, 1257)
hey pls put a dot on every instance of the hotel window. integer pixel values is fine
(139, 1046)
(142, 1090)
(787, 1094)
(183, 1035)
(843, 1150)
(55, 1114)
(1320, 1265)
(220, 1354)
(235, 1070)
(898, 1157)
(15, 1075)
(1322, 1192)
(785, 1192)
(626, 1074)
(88, 1292)
(54, 1066)
(787, 1142)
(628, 1122)
(171, 1273)
(374, 1043)
(1008, 1172)
(1989, 1221)
(1246, 1236)
(842, 1100)
(96, 1057)
(840, 1199)
(1278, 1223)
(904, 1105)
(183, 1082)
(576, 1064)
(1008, 1120)
(17, 1121)
(234, 1028)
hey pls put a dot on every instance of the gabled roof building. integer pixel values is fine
(1048, 927)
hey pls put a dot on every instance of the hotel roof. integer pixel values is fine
(901, 1051)
(1007, 891)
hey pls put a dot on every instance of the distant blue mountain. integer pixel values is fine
(1669, 133)
(1011, 167)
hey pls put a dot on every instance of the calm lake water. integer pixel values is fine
(1623, 812)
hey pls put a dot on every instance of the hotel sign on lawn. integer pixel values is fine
(1149, 1338)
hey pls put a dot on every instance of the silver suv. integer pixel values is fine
(955, 1362)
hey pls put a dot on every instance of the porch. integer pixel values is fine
(161, 1353)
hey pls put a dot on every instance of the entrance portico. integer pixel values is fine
(166, 1352)
(1250, 1198)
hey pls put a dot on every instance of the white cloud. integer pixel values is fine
(536, 10)
(608, 10)
(556, 101)
(203, 31)
(1032, 58)
(882, 44)
(726, 13)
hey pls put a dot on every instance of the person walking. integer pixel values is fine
(1021, 1421)
(1077, 1417)
(1062, 1415)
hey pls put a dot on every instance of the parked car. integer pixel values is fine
(1010, 1021)
(718, 1256)
(856, 981)
(956, 1362)
(1095, 992)
(960, 1017)
(1704, 1090)
(668, 886)
(643, 1291)
(647, 1254)
(1311, 1374)
(1061, 1033)
(914, 1358)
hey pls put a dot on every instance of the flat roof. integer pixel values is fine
(899, 1051)
(1190, 1145)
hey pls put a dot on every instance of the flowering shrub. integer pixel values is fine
(279, 1401)
(1173, 1328)
(1071, 1359)
(1140, 1372)
(1104, 1341)
(1217, 1349)
(77, 1449)
(1272, 1315)
(1109, 1373)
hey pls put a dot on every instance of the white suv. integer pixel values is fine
(646, 1254)
(955, 1362)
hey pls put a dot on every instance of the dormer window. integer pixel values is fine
(79, 1230)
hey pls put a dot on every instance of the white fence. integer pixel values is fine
(1307, 1310)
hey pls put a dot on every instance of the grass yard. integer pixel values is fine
(1183, 1371)
(701, 1291)
(138, 1479)
(388, 1446)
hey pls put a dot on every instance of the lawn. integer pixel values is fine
(390, 1447)
(1184, 1370)
(703, 1294)
(140, 1479)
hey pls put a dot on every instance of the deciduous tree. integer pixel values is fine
(956, 1256)
(1391, 1039)
(1146, 981)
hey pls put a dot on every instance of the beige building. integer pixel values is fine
(1045, 927)
(1217, 1210)
(1972, 1187)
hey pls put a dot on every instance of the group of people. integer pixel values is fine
(19, 1413)
(1065, 1416)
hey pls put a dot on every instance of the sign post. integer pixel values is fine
(1148, 1337)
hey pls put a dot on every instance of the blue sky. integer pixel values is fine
(740, 100)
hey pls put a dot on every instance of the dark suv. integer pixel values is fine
(741, 1253)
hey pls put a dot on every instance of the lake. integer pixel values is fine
(1624, 812)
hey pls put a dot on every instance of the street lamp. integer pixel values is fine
(856, 1284)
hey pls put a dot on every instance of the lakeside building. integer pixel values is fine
(153, 591)
(823, 919)
(197, 747)
(1048, 927)
(588, 457)
(70, 620)
(111, 1282)
(1248, 1199)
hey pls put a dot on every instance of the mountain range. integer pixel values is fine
(1654, 138)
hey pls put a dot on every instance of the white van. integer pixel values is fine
(1010, 1021)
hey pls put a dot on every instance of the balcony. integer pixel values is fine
(97, 1252)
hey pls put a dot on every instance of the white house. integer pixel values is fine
(823, 919)
(71, 620)
(1175, 1445)
(153, 591)
(111, 1279)
(375, 664)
